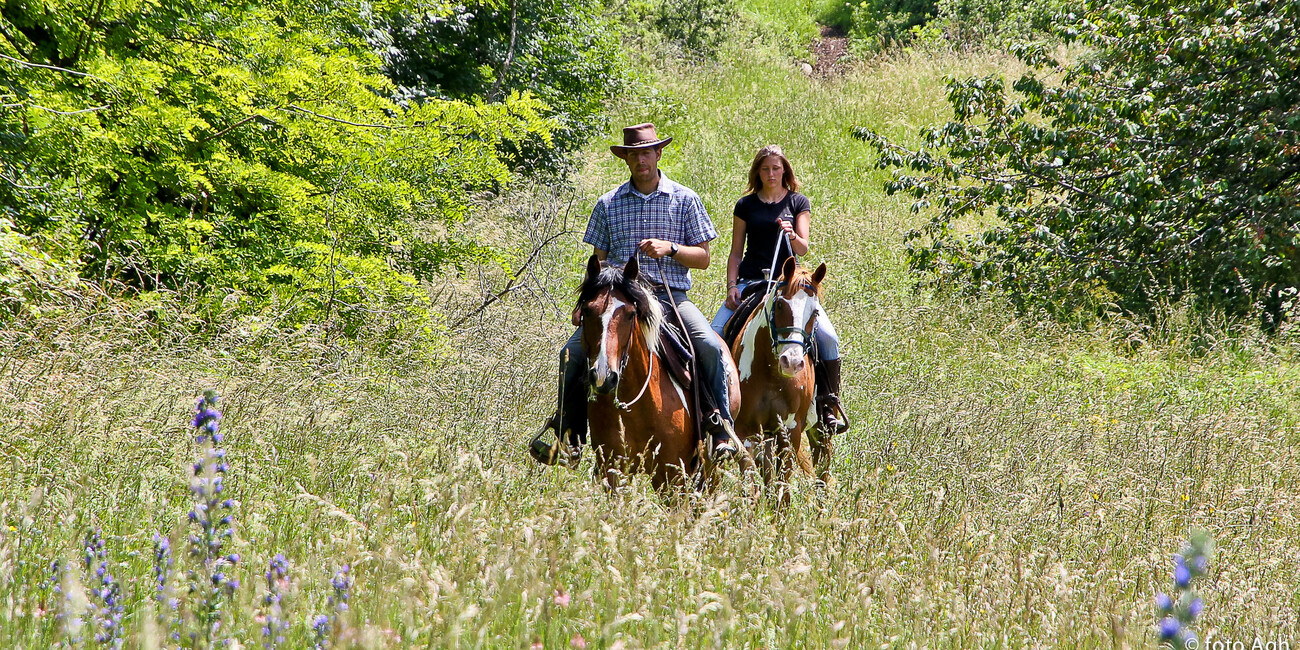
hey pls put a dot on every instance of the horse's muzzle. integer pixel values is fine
(791, 362)
(602, 385)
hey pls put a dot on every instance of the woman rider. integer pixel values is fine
(770, 206)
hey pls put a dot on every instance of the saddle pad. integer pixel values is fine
(751, 299)
(676, 354)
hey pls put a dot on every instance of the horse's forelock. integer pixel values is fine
(650, 313)
(802, 280)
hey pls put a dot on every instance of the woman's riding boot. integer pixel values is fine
(833, 416)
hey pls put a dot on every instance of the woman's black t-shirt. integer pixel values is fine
(762, 233)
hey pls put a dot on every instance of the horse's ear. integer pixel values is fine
(819, 274)
(593, 268)
(787, 269)
(632, 270)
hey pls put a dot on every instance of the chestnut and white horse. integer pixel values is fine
(777, 387)
(640, 418)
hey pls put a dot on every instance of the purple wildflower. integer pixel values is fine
(1182, 575)
(212, 516)
(322, 627)
(1199, 564)
(277, 579)
(342, 584)
(325, 625)
(1180, 608)
(163, 564)
(105, 593)
(1169, 628)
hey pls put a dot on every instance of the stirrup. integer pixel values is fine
(556, 453)
(722, 445)
(831, 414)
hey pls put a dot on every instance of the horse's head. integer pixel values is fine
(791, 311)
(613, 304)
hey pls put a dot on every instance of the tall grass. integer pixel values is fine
(1006, 483)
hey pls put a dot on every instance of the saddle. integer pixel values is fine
(750, 300)
(675, 353)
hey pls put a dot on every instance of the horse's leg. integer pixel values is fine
(608, 469)
(767, 458)
(750, 441)
(787, 448)
(822, 444)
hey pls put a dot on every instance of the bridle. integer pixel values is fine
(780, 335)
(622, 368)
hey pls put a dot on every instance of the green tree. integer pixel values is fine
(247, 149)
(1161, 166)
(564, 52)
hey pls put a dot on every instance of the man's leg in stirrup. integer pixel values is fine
(569, 423)
(708, 358)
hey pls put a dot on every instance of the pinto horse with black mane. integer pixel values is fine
(640, 417)
(772, 351)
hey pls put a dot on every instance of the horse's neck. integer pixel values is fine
(640, 354)
(758, 321)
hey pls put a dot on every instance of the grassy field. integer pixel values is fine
(1006, 482)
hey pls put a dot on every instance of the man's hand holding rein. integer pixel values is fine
(691, 257)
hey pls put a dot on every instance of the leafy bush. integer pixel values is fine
(29, 277)
(997, 22)
(1161, 167)
(224, 146)
(875, 24)
(697, 26)
(878, 24)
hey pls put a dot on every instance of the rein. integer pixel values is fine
(690, 345)
(627, 406)
(779, 334)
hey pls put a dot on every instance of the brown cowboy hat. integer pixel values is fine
(641, 136)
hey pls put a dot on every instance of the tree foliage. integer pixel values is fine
(875, 24)
(564, 52)
(1162, 166)
(247, 148)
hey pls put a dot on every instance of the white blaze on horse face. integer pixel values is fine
(791, 355)
(602, 357)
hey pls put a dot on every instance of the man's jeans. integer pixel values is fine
(708, 353)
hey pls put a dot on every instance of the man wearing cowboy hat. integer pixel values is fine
(664, 221)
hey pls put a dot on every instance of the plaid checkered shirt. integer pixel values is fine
(673, 212)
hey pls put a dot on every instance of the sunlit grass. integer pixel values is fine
(1006, 483)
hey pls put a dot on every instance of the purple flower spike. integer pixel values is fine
(1182, 575)
(1164, 603)
(1169, 628)
(277, 578)
(1194, 608)
(212, 517)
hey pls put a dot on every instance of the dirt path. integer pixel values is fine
(830, 51)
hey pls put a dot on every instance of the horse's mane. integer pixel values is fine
(802, 278)
(650, 314)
